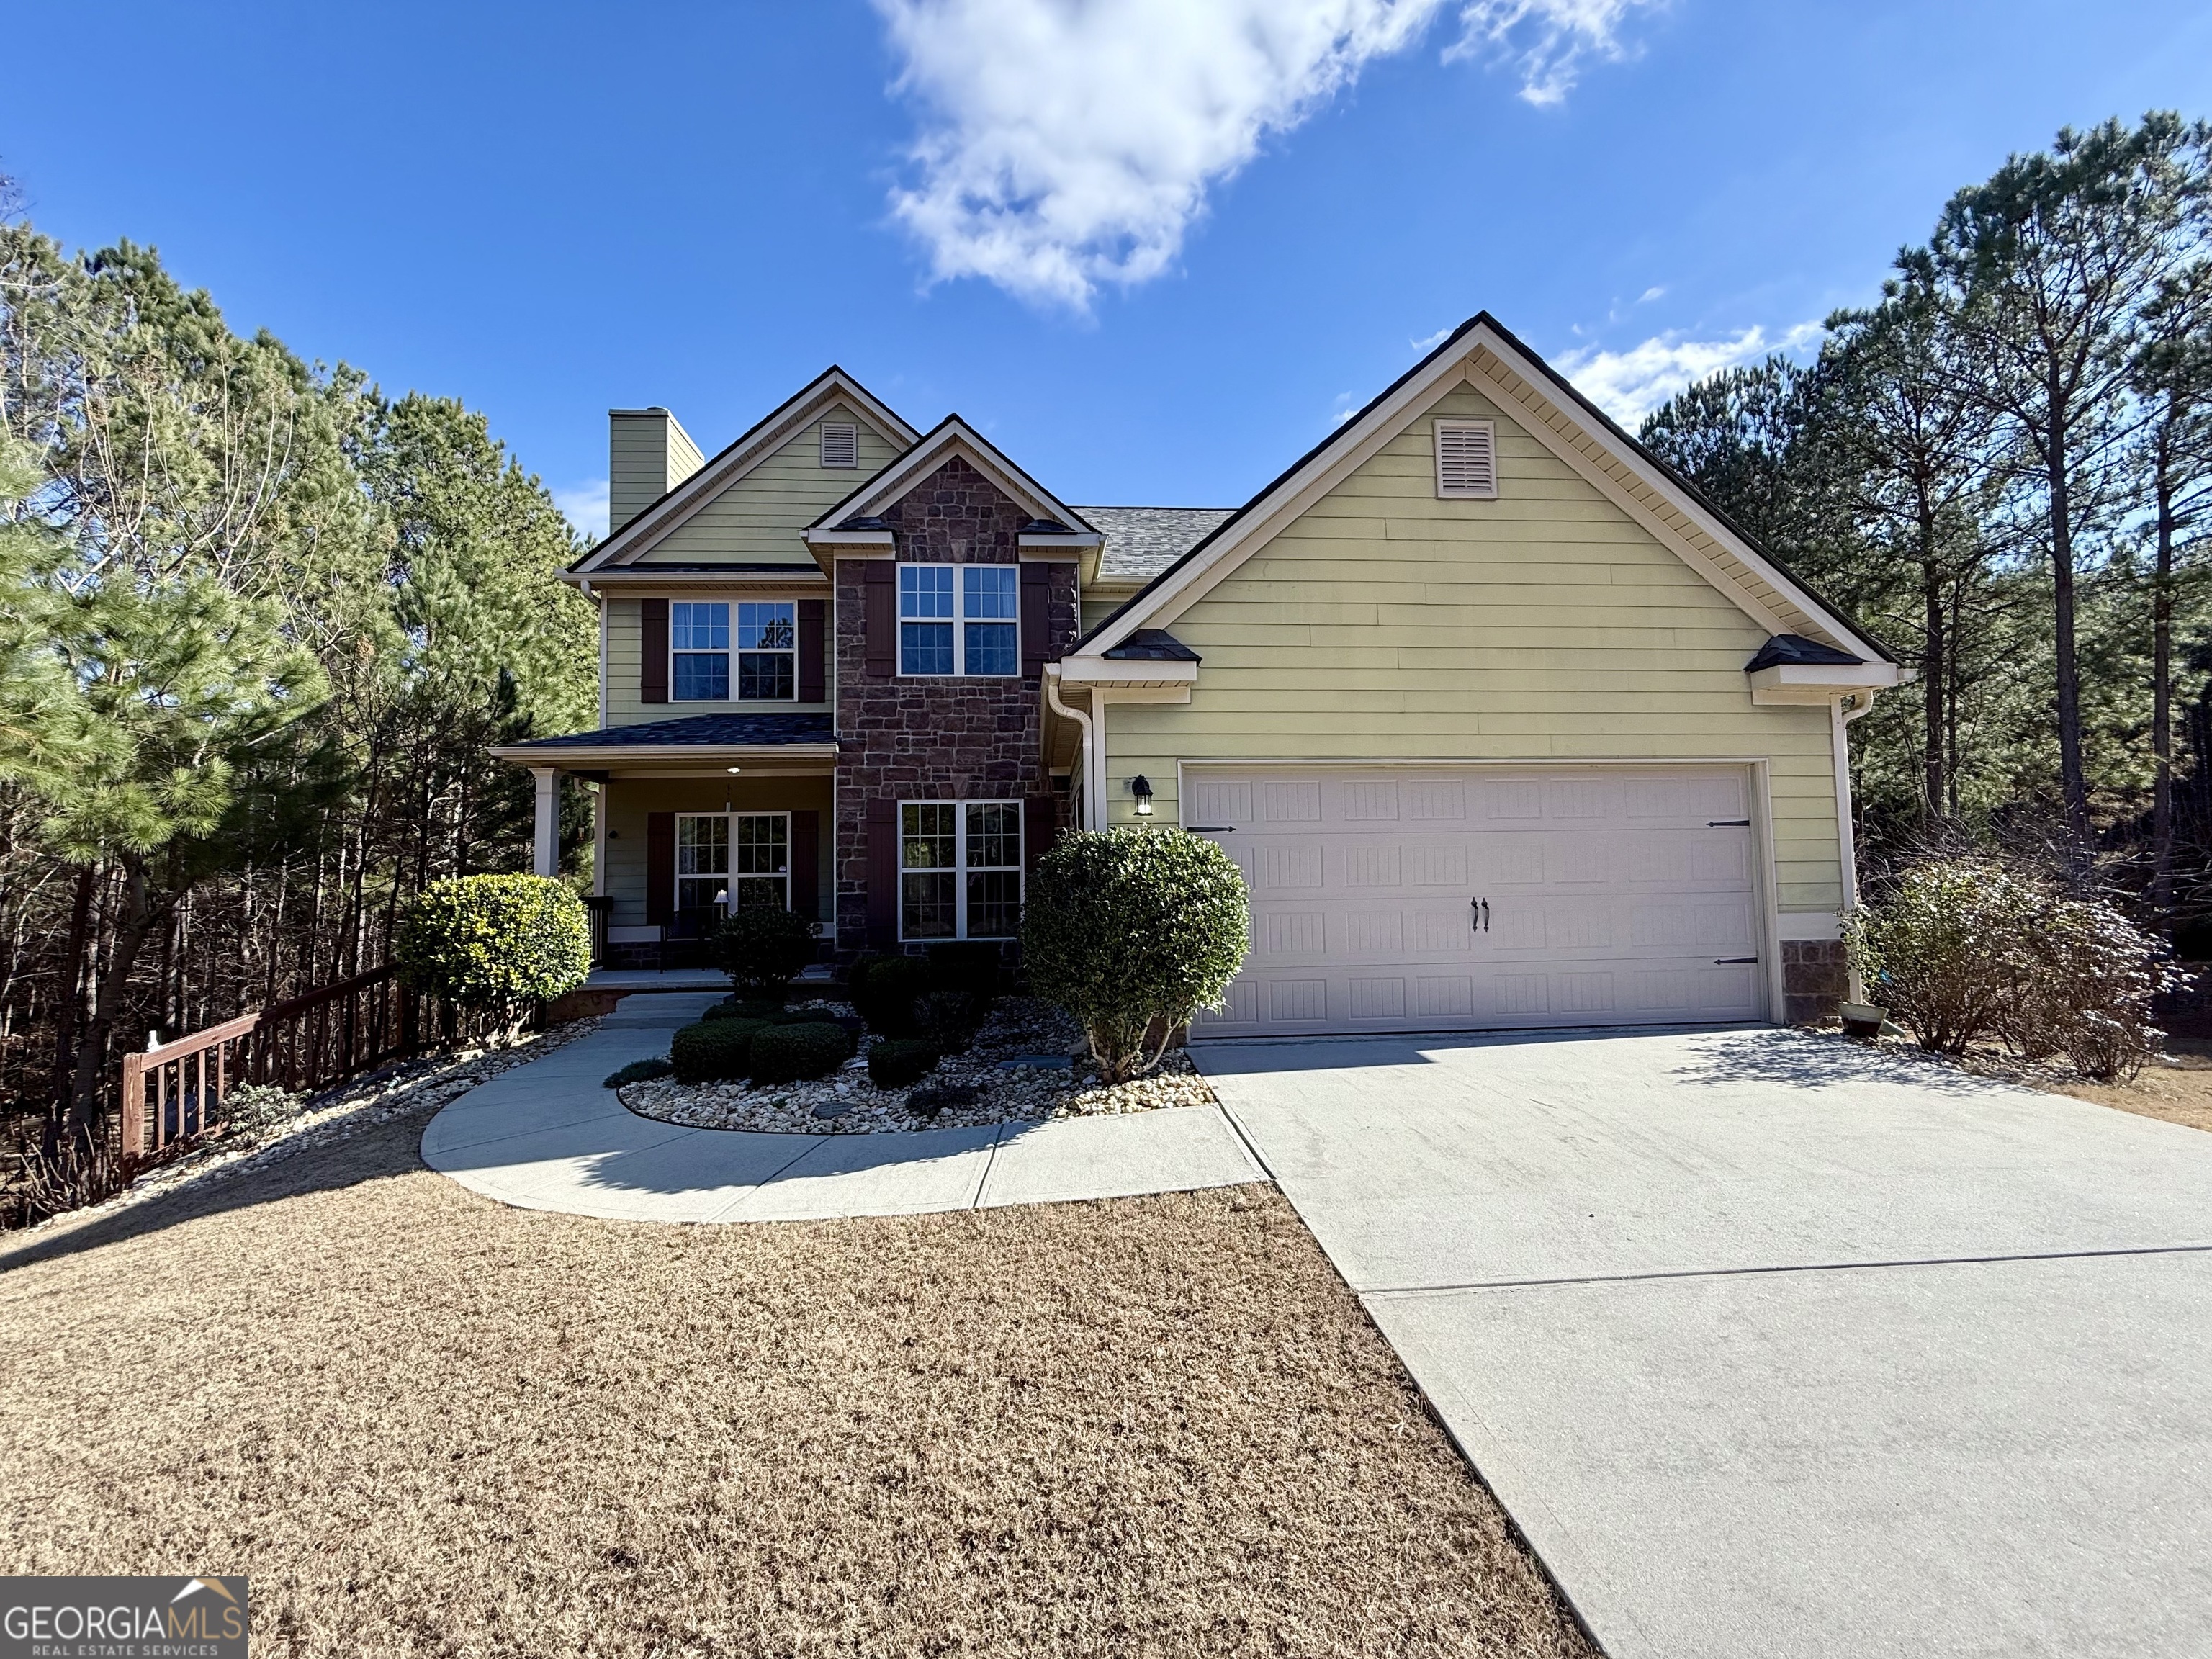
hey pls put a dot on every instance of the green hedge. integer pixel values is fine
(883, 990)
(1133, 931)
(896, 1062)
(714, 1051)
(759, 1008)
(787, 1053)
(495, 942)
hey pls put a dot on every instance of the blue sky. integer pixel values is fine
(1154, 248)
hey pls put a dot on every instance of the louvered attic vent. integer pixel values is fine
(1467, 458)
(841, 444)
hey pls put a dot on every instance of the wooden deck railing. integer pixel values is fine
(177, 1089)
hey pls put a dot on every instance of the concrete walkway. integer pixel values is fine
(547, 1136)
(1776, 1346)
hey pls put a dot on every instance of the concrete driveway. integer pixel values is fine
(1774, 1345)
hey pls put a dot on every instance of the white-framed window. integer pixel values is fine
(960, 619)
(766, 649)
(732, 859)
(960, 869)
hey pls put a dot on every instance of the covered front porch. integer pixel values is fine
(690, 818)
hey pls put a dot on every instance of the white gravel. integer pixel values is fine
(1018, 1026)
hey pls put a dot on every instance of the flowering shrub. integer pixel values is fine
(1133, 931)
(1960, 950)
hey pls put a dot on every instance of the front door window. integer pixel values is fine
(733, 857)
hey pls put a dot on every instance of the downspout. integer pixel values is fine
(1093, 797)
(1841, 713)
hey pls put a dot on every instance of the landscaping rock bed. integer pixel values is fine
(1026, 1065)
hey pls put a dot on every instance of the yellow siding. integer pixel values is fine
(758, 518)
(630, 799)
(1384, 623)
(649, 453)
(623, 669)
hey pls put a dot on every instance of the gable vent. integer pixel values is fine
(1467, 458)
(841, 444)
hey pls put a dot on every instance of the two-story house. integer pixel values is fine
(1505, 725)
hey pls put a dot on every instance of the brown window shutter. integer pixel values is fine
(882, 875)
(1040, 828)
(660, 858)
(1036, 612)
(880, 618)
(806, 859)
(813, 679)
(652, 651)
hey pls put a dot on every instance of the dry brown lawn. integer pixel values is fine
(2179, 1090)
(425, 1424)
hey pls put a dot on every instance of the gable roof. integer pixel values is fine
(1051, 518)
(1484, 353)
(832, 387)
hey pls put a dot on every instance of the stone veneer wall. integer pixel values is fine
(943, 740)
(1815, 978)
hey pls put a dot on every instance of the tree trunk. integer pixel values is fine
(66, 1005)
(2161, 703)
(86, 1140)
(2072, 781)
(1933, 672)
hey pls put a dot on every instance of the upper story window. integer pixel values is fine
(766, 651)
(959, 619)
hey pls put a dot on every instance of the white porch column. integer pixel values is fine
(599, 839)
(547, 844)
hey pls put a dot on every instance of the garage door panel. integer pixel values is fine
(1609, 897)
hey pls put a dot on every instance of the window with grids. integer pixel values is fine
(699, 647)
(960, 869)
(766, 651)
(959, 619)
(732, 859)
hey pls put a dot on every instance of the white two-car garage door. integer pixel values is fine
(1430, 898)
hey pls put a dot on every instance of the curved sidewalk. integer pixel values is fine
(547, 1136)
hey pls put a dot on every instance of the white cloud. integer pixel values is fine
(1429, 341)
(1629, 385)
(584, 507)
(1068, 144)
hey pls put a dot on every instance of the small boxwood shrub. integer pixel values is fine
(788, 1054)
(1133, 931)
(932, 1098)
(639, 1071)
(499, 942)
(970, 966)
(896, 1062)
(948, 1018)
(883, 990)
(761, 947)
(714, 1050)
(1964, 950)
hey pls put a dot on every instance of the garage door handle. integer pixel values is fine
(1732, 962)
(1212, 828)
(1478, 915)
(1728, 823)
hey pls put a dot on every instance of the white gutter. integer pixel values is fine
(1092, 759)
(1846, 840)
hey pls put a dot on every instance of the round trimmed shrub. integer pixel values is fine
(638, 1071)
(1133, 931)
(898, 1062)
(789, 1053)
(714, 1050)
(966, 966)
(494, 942)
(761, 947)
(885, 989)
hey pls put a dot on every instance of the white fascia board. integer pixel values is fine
(1293, 495)
(722, 471)
(846, 539)
(1809, 683)
(647, 575)
(1089, 670)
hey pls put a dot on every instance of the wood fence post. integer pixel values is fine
(134, 1106)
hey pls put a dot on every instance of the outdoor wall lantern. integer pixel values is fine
(1141, 787)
